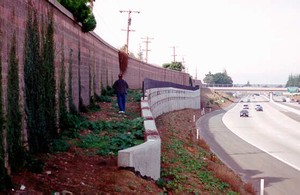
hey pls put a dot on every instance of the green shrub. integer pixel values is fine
(105, 99)
(74, 121)
(93, 141)
(81, 12)
(89, 24)
(33, 164)
(115, 135)
(93, 104)
(109, 91)
(134, 95)
(60, 145)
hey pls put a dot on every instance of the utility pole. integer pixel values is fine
(128, 26)
(147, 42)
(183, 64)
(174, 54)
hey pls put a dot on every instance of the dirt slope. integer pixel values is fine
(77, 172)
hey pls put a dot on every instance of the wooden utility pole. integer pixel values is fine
(128, 26)
(147, 42)
(183, 64)
(174, 54)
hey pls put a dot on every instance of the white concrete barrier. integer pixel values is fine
(145, 158)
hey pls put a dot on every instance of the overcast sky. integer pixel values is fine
(253, 40)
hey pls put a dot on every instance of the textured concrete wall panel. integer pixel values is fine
(89, 55)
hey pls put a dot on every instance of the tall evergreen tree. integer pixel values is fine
(62, 94)
(3, 173)
(48, 81)
(70, 86)
(39, 84)
(15, 148)
(31, 78)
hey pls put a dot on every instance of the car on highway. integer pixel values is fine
(259, 108)
(246, 106)
(244, 113)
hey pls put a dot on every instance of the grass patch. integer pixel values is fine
(134, 95)
(179, 162)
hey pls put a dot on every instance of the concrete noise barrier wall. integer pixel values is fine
(145, 158)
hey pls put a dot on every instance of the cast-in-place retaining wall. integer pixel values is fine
(145, 158)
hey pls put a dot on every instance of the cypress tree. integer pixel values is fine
(31, 78)
(39, 84)
(90, 79)
(82, 107)
(70, 86)
(48, 81)
(15, 149)
(62, 95)
(3, 173)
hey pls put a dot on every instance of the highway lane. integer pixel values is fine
(265, 145)
(271, 131)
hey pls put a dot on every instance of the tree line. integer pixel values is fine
(218, 78)
(293, 81)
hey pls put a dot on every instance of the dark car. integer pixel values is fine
(246, 106)
(259, 108)
(244, 113)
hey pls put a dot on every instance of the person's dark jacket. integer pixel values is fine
(120, 86)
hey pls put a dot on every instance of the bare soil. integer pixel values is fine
(78, 172)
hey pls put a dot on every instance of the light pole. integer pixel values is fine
(128, 26)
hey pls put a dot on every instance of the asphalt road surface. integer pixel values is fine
(265, 145)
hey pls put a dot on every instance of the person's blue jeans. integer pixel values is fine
(121, 97)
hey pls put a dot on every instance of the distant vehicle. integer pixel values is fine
(246, 106)
(244, 113)
(259, 108)
(248, 100)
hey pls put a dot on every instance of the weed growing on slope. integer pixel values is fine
(103, 137)
(188, 165)
(176, 170)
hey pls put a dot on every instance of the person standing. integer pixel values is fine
(120, 86)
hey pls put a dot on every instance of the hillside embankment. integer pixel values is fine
(188, 165)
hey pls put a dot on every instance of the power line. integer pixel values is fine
(147, 42)
(128, 26)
